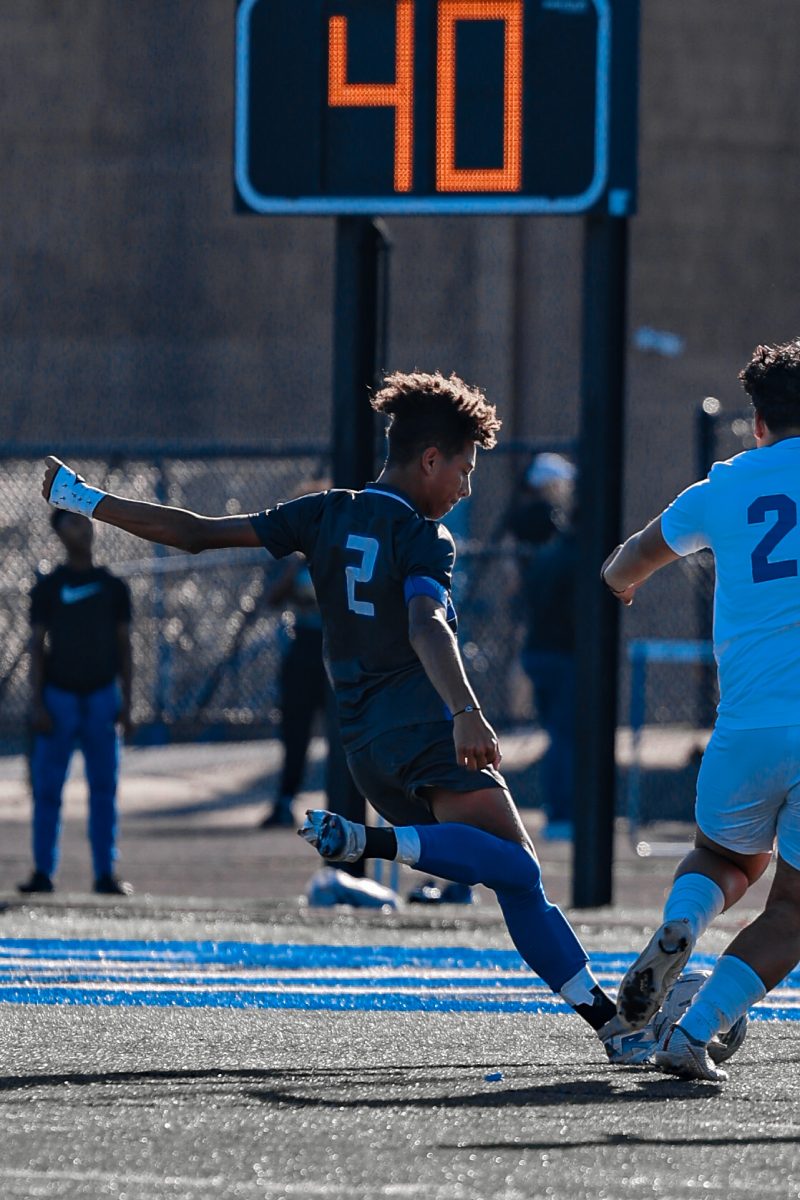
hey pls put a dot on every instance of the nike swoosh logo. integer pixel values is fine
(71, 595)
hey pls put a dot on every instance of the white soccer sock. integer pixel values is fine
(696, 899)
(409, 849)
(578, 990)
(732, 989)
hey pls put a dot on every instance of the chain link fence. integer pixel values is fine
(207, 645)
(669, 681)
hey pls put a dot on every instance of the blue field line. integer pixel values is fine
(53, 971)
(292, 956)
(328, 1001)
(250, 954)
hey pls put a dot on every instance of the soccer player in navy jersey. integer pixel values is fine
(417, 742)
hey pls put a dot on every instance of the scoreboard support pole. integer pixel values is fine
(360, 350)
(599, 523)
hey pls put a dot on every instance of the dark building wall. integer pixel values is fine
(136, 306)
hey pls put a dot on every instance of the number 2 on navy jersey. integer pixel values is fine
(367, 547)
(786, 510)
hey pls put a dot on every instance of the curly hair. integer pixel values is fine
(429, 410)
(772, 381)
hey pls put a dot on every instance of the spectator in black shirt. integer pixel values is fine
(81, 672)
(548, 656)
(548, 582)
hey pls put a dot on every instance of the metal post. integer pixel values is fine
(360, 341)
(599, 523)
(360, 336)
(708, 415)
(159, 733)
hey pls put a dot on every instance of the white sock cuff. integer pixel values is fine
(578, 990)
(695, 898)
(733, 988)
(409, 849)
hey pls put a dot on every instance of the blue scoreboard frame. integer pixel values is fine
(436, 106)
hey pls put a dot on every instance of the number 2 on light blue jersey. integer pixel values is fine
(786, 510)
(368, 549)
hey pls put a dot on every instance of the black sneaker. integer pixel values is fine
(38, 882)
(280, 818)
(109, 885)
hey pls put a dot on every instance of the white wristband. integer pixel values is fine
(73, 495)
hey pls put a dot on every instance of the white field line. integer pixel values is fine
(258, 1186)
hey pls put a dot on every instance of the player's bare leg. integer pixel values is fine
(491, 809)
(709, 880)
(755, 962)
(771, 944)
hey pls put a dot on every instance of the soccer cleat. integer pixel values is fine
(724, 1045)
(109, 885)
(687, 1057)
(329, 887)
(38, 882)
(626, 1048)
(645, 985)
(332, 836)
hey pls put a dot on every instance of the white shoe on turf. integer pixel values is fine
(334, 837)
(645, 985)
(687, 1057)
(723, 1045)
(626, 1047)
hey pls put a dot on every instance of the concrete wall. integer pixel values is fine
(135, 306)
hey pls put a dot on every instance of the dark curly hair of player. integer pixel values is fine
(772, 381)
(429, 410)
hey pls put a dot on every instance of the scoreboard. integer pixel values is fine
(436, 106)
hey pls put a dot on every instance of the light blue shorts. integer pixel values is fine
(748, 791)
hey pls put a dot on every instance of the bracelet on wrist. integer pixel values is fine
(613, 591)
(468, 708)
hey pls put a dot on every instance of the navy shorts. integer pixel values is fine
(397, 771)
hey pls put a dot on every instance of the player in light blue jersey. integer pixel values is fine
(748, 789)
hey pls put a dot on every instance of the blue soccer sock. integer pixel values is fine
(538, 929)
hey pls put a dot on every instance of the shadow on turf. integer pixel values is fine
(617, 1139)
(296, 1088)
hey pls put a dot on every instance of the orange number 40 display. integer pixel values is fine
(436, 105)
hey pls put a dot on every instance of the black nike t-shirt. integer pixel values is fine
(81, 611)
(368, 552)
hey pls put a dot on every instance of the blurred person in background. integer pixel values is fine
(549, 576)
(303, 686)
(81, 677)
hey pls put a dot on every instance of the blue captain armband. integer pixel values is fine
(423, 585)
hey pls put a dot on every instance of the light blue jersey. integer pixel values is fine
(747, 512)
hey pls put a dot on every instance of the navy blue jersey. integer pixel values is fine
(81, 611)
(369, 552)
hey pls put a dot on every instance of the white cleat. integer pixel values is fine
(724, 1045)
(332, 836)
(626, 1048)
(687, 1057)
(645, 985)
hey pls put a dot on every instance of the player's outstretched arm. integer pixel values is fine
(154, 522)
(627, 567)
(437, 649)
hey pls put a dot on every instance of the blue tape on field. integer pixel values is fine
(246, 975)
